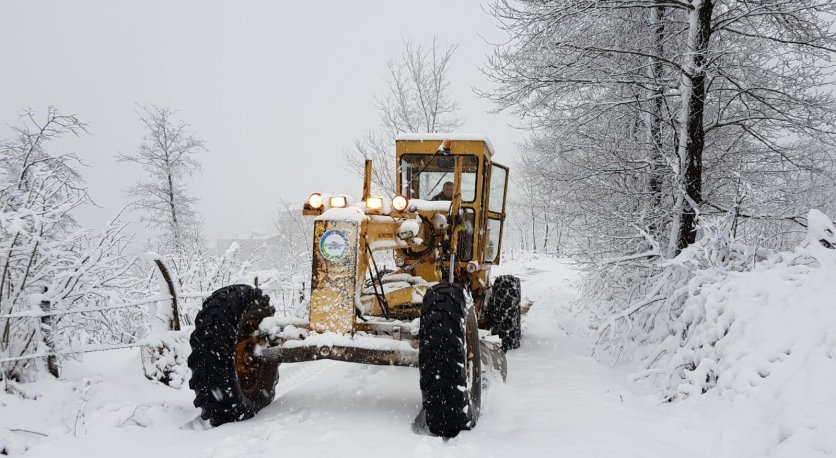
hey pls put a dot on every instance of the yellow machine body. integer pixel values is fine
(464, 238)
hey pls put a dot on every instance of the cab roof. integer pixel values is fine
(439, 137)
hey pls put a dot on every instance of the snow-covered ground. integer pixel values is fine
(558, 401)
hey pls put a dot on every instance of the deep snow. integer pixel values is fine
(557, 401)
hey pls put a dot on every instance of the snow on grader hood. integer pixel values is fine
(439, 310)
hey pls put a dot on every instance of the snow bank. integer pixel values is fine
(760, 346)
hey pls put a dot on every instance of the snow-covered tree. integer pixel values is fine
(168, 156)
(670, 103)
(666, 123)
(417, 99)
(44, 257)
(538, 216)
(292, 248)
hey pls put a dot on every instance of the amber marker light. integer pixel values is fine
(444, 147)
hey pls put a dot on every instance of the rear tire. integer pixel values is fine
(504, 313)
(449, 361)
(230, 383)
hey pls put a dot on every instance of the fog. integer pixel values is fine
(278, 90)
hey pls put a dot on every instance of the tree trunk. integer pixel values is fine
(49, 340)
(656, 157)
(533, 230)
(692, 133)
(171, 204)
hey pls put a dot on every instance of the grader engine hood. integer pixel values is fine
(336, 249)
(344, 239)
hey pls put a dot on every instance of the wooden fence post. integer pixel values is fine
(46, 333)
(174, 324)
(297, 290)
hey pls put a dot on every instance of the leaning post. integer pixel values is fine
(174, 323)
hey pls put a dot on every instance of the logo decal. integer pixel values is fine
(333, 245)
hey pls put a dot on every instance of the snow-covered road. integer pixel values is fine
(557, 401)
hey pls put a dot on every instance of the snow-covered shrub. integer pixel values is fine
(77, 271)
(762, 341)
(741, 318)
(820, 233)
(756, 330)
(165, 351)
(195, 273)
(165, 357)
(640, 302)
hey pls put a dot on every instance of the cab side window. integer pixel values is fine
(497, 190)
(496, 212)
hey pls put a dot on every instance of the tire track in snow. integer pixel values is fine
(263, 433)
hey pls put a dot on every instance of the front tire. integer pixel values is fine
(449, 361)
(230, 383)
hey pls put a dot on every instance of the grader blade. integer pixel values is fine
(419, 424)
(493, 358)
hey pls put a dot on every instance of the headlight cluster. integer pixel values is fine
(399, 203)
(375, 203)
(315, 201)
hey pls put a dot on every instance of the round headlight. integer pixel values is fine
(399, 203)
(315, 200)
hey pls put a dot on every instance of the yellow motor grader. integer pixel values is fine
(439, 310)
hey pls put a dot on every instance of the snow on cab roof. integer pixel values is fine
(448, 136)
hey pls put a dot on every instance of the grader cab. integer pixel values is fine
(436, 308)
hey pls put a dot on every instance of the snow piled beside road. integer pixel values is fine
(764, 344)
(558, 400)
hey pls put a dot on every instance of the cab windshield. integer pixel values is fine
(424, 176)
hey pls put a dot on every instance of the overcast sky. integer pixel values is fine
(276, 89)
